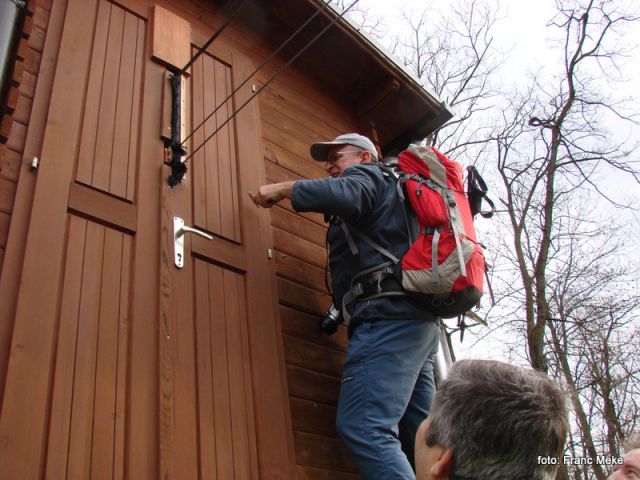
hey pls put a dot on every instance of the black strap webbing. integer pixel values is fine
(476, 192)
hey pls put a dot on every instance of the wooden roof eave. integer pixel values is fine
(436, 112)
(351, 67)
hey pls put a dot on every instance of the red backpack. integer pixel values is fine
(445, 264)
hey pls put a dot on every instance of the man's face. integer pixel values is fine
(341, 157)
(432, 463)
(630, 468)
(421, 452)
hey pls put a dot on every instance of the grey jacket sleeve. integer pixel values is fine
(350, 196)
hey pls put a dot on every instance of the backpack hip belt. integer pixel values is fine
(368, 284)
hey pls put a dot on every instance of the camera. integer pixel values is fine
(329, 321)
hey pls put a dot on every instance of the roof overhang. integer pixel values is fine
(353, 68)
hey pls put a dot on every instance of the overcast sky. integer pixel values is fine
(522, 29)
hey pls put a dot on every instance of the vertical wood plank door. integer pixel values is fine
(79, 396)
(121, 364)
(223, 398)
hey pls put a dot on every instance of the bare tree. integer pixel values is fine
(363, 19)
(452, 54)
(553, 149)
(545, 157)
(586, 341)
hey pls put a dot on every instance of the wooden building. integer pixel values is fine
(114, 362)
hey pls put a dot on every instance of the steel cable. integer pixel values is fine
(265, 62)
(280, 70)
(213, 37)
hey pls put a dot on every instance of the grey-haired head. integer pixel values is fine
(497, 421)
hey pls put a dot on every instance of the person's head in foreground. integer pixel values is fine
(492, 421)
(630, 467)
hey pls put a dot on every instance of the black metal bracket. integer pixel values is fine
(178, 167)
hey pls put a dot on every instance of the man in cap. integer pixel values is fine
(387, 382)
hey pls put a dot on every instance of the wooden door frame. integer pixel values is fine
(274, 433)
(16, 241)
(277, 460)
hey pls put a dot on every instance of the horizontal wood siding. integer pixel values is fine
(294, 116)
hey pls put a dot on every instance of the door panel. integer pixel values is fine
(207, 405)
(70, 353)
(109, 140)
(226, 431)
(215, 171)
(89, 386)
(219, 280)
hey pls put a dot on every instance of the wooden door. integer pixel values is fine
(122, 365)
(223, 403)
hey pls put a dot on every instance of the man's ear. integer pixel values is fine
(441, 468)
(366, 156)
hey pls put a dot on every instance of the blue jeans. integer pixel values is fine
(387, 388)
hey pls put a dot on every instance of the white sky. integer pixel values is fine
(522, 29)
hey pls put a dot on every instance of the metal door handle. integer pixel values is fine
(186, 229)
(179, 229)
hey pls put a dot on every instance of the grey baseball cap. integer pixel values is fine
(320, 150)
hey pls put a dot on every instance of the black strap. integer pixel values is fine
(347, 234)
(477, 192)
(375, 282)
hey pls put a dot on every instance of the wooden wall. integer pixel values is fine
(15, 119)
(294, 115)
(25, 111)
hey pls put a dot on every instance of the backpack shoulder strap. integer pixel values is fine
(351, 229)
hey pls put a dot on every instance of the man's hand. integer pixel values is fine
(269, 195)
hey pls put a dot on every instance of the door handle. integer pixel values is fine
(179, 229)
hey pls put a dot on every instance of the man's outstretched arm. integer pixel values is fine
(269, 195)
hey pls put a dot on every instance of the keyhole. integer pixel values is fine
(179, 258)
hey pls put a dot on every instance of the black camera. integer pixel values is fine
(329, 321)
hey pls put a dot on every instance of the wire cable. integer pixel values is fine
(265, 62)
(280, 70)
(213, 37)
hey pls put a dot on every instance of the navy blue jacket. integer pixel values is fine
(364, 197)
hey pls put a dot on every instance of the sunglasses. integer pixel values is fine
(335, 156)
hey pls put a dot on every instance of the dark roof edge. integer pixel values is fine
(391, 62)
(429, 124)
